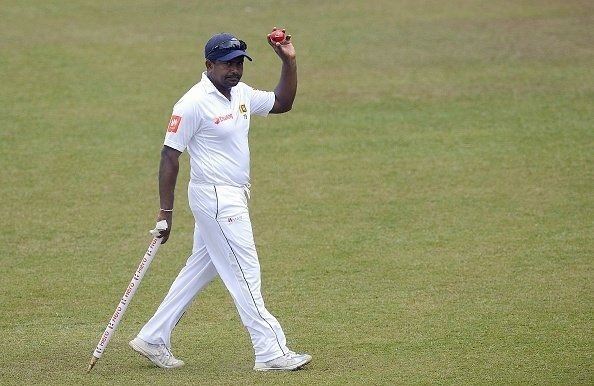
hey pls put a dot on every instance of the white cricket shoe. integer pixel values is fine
(288, 362)
(159, 354)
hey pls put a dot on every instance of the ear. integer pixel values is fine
(209, 64)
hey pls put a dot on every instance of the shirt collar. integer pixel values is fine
(210, 88)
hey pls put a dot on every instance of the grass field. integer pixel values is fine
(424, 215)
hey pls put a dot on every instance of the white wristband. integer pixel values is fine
(166, 210)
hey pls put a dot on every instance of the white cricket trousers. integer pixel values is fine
(223, 245)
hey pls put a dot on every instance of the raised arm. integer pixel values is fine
(287, 85)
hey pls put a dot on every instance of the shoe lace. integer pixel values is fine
(164, 353)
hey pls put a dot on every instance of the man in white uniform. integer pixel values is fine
(212, 122)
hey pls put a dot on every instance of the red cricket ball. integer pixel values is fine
(277, 36)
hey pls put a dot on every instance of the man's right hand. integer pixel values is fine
(167, 216)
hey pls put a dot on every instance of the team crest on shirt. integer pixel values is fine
(243, 111)
(174, 123)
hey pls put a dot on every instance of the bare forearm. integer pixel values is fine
(168, 170)
(286, 88)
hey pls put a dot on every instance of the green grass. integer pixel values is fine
(424, 215)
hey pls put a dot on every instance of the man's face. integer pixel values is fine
(225, 75)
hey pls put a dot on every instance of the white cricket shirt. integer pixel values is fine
(215, 131)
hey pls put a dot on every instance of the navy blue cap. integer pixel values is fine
(224, 47)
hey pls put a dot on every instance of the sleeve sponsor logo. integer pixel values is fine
(242, 108)
(174, 123)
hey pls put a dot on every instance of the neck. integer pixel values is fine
(226, 92)
(223, 90)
